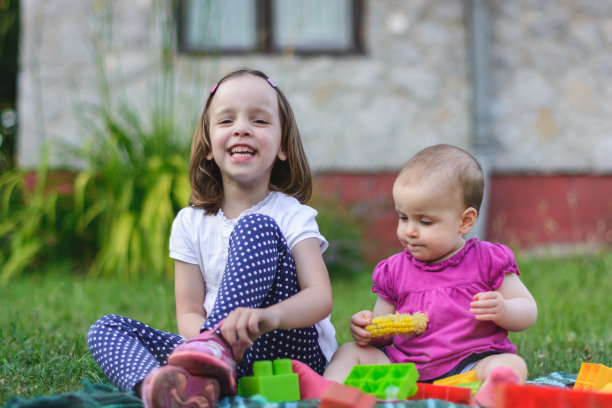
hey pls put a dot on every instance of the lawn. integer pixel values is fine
(45, 318)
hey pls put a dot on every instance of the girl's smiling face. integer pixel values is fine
(245, 131)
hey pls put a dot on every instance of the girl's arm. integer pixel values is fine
(189, 291)
(510, 306)
(307, 307)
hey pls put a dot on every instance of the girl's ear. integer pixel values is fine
(209, 156)
(468, 219)
(281, 154)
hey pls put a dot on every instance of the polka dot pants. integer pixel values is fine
(260, 271)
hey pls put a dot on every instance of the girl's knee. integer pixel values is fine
(254, 223)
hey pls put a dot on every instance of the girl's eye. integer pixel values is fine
(261, 121)
(225, 121)
(426, 222)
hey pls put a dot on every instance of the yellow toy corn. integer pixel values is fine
(398, 324)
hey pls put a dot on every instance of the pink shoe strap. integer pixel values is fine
(210, 334)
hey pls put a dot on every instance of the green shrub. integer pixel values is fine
(135, 183)
(34, 223)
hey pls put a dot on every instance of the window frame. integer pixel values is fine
(265, 33)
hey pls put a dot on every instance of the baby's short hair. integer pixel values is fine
(450, 167)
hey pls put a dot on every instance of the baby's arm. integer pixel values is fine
(189, 291)
(307, 307)
(361, 319)
(511, 306)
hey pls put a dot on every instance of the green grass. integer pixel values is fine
(44, 320)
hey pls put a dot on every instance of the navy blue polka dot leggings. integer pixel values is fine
(260, 271)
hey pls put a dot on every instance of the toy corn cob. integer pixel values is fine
(398, 324)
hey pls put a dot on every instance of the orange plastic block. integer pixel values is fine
(459, 395)
(592, 377)
(534, 396)
(338, 395)
(468, 377)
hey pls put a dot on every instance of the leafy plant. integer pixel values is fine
(135, 182)
(32, 222)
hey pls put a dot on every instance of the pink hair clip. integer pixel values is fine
(214, 88)
(271, 82)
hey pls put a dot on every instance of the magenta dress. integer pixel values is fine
(444, 291)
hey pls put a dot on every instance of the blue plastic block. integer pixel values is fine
(385, 381)
(274, 380)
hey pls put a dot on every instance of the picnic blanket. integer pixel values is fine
(107, 396)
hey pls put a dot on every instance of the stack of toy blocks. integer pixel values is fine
(274, 380)
(593, 377)
(385, 381)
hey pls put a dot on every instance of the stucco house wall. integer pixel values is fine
(363, 116)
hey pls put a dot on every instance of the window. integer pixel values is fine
(270, 26)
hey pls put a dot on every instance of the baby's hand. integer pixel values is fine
(243, 325)
(358, 323)
(488, 306)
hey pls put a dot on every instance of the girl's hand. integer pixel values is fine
(488, 306)
(243, 325)
(358, 323)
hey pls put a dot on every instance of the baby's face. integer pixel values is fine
(429, 224)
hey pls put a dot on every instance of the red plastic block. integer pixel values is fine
(533, 396)
(443, 392)
(338, 395)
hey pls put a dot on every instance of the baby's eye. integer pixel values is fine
(426, 222)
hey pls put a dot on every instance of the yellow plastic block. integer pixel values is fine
(592, 377)
(607, 388)
(453, 380)
(402, 324)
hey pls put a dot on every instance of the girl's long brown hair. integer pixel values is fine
(292, 176)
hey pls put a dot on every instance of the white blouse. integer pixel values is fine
(203, 240)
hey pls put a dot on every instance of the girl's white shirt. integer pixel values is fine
(201, 239)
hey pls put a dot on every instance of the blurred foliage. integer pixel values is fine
(135, 182)
(344, 232)
(9, 45)
(29, 224)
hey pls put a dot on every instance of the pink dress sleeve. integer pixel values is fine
(383, 282)
(502, 262)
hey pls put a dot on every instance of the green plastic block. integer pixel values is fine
(474, 386)
(273, 380)
(385, 381)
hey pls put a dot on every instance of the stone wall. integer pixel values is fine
(550, 67)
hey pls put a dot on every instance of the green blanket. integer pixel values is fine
(107, 396)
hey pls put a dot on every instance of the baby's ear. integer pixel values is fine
(468, 219)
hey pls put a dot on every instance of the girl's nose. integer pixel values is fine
(241, 128)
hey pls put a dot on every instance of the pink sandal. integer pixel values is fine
(207, 355)
(174, 387)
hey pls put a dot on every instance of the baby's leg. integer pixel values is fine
(260, 272)
(127, 350)
(349, 355)
(495, 370)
